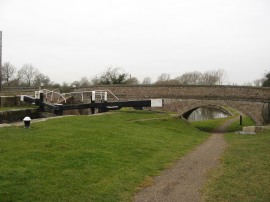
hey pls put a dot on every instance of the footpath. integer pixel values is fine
(185, 179)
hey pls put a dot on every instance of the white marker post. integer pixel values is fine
(94, 96)
(105, 96)
(156, 103)
(93, 100)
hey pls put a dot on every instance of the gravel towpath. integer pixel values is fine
(184, 180)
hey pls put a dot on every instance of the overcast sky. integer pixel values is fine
(70, 39)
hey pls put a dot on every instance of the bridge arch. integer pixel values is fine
(189, 112)
(184, 107)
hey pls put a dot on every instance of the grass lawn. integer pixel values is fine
(244, 171)
(235, 126)
(90, 158)
(209, 125)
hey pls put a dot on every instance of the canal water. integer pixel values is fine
(206, 113)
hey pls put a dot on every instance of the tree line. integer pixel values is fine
(29, 76)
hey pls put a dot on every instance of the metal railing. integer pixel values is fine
(100, 93)
(52, 93)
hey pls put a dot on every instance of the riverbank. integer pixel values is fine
(96, 158)
(244, 171)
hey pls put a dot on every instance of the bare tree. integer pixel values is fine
(221, 74)
(40, 79)
(213, 77)
(84, 82)
(27, 74)
(189, 78)
(172, 82)
(146, 81)
(163, 78)
(258, 82)
(248, 83)
(8, 73)
(209, 78)
(132, 81)
(95, 80)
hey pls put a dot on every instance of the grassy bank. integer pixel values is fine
(244, 171)
(90, 158)
(210, 125)
(235, 126)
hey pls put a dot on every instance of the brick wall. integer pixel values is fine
(11, 101)
(253, 101)
(183, 92)
(18, 115)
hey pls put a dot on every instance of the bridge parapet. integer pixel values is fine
(253, 101)
(189, 92)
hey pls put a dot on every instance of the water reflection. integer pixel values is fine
(206, 113)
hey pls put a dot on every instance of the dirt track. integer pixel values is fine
(184, 180)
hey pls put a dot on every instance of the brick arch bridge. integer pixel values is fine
(252, 101)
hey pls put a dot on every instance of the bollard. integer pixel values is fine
(27, 121)
(241, 120)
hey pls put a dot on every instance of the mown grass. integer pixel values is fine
(209, 125)
(90, 158)
(235, 126)
(244, 171)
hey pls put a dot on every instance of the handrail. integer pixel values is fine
(52, 93)
(100, 93)
(109, 92)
